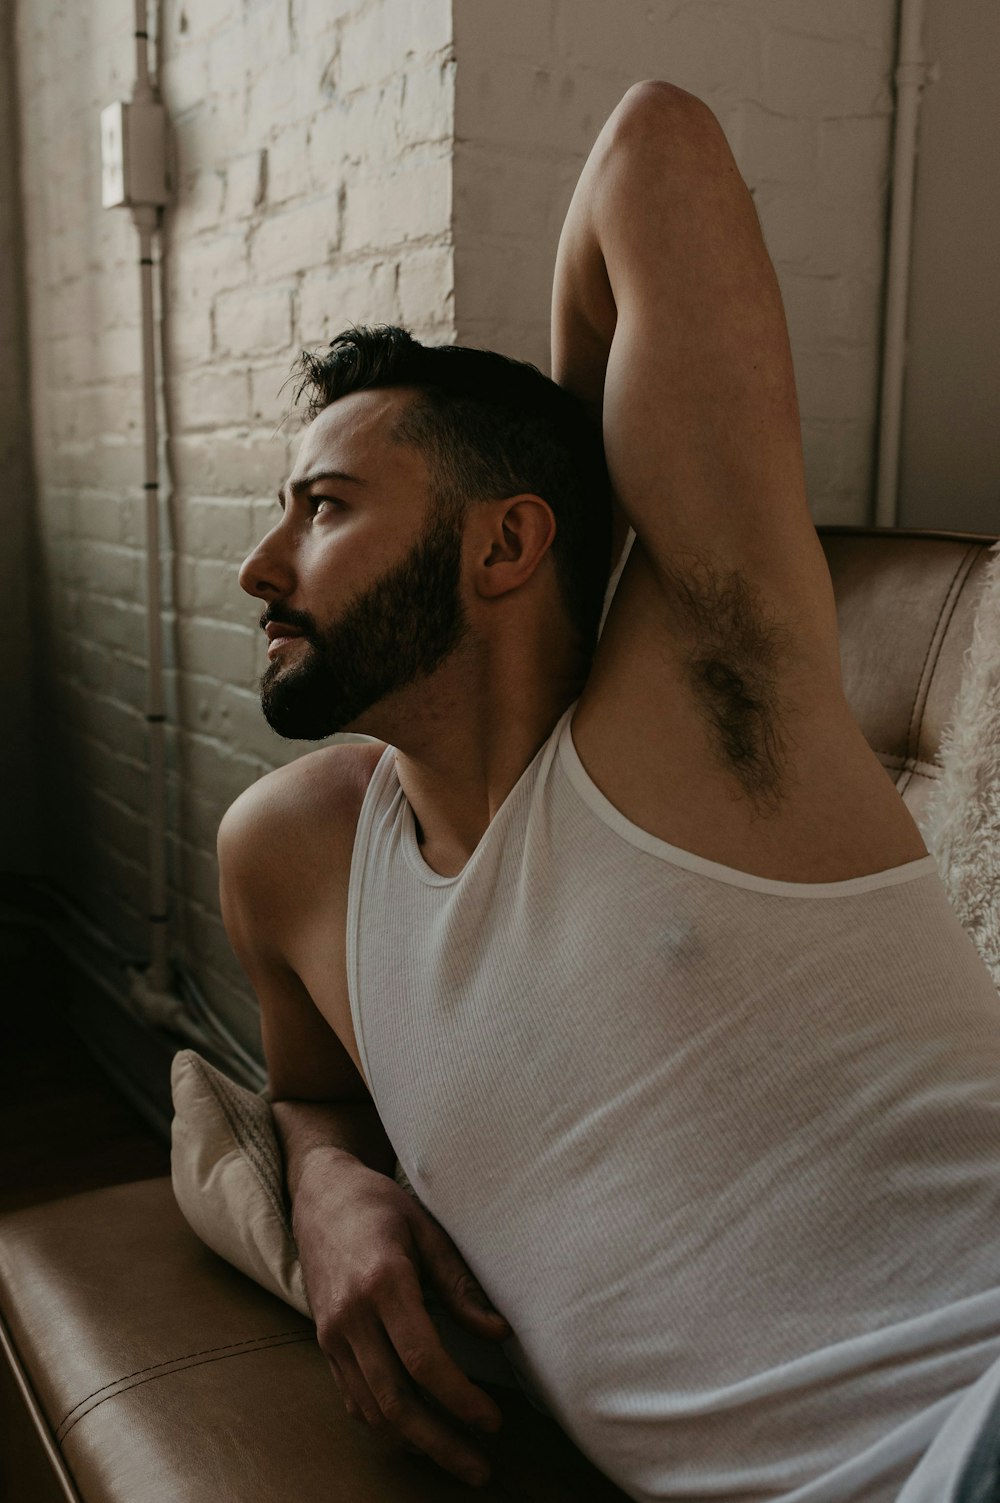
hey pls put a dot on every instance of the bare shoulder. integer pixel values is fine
(285, 848)
(288, 839)
(320, 791)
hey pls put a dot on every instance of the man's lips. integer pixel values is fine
(279, 635)
(275, 629)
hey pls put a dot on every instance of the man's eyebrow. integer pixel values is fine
(295, 486)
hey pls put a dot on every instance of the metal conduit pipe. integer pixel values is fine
(133, 165)
(912, 73)
(152, 987)
(157, 975)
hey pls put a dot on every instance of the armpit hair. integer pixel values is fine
(736, 648)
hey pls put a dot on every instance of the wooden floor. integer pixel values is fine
(64, 1127)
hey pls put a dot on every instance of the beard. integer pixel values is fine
(399, 630)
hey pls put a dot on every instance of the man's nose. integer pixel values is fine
(264, 573)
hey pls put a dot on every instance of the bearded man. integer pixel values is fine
(689, 1063)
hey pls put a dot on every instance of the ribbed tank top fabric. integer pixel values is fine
(725, 1151)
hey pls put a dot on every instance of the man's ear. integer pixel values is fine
(513, 537)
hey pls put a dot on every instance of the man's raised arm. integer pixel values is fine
(666, 310)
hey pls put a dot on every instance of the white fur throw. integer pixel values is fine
(962, 828)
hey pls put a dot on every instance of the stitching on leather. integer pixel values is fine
(949, 603)
(907, 764)
(229, 1346)
(265, 1345)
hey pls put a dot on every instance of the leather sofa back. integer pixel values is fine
(905, 606)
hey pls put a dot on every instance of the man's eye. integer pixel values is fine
(329, 502)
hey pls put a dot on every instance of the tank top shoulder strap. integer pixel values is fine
(383, 786)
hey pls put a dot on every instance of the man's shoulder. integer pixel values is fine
(310, 801)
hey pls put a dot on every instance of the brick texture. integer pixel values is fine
(311, 162)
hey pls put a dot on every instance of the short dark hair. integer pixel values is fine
(489, 427)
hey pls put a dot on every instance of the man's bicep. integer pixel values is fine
(306, 1061)
(305, 1058)
(705, 458)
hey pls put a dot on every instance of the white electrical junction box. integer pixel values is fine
(133, 153)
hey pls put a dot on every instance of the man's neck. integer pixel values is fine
(458, 760)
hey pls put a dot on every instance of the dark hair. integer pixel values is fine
(489, 427)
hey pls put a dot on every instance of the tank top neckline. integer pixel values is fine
(411, 845)
(561, 739)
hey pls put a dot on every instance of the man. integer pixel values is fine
(678, 1044)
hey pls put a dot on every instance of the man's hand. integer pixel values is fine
(364, 1245)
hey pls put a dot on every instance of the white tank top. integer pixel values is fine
(725, 1151)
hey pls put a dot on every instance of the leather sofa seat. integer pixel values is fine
(161, 1375)
(140, 1368)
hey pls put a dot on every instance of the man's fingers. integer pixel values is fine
(416, 1342)
(455, 1282)
(402, 1415)
(354, 1391)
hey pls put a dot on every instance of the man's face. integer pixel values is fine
(362, 570)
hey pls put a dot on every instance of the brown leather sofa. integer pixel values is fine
(140, 1368)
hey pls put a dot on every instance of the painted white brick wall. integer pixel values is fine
(312, 161)
(326, 171)
(803, 89)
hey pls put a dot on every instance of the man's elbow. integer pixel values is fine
(659, 118)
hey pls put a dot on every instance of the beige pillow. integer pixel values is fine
(228, 1176)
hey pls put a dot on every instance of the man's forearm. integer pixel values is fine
(366, 1249)
(307, 1128)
